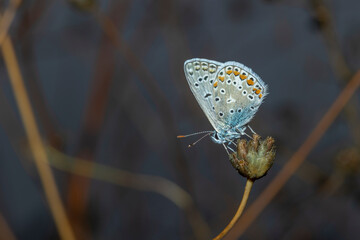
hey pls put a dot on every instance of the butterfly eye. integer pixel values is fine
(221, 114)
(217, 99)
(244, 92)
(239, 110)
(222, 91)
(196, 85)
(231, 111)
(240, 87)
(200, 79)
(234, 82)
(228, 81)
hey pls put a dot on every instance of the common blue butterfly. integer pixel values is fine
(229, 93)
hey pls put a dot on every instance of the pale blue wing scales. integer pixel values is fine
(239, 93)
(200, 74)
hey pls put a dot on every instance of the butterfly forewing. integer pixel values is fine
(200, 74)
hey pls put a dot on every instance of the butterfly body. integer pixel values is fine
(228, 93)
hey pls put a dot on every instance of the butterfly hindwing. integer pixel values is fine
(238, 94)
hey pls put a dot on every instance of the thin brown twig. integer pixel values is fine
(153, 90)
(249, 184)
(93, 120)
(7, 18)
(296, 160)
(160, 185)
(337, 59)
(35, 141)
(327, 29)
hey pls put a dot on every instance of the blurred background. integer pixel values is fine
(106, 85)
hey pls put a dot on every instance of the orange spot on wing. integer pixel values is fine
(215, 84)
(229, 72)
(236, 73)
(260, 96)
(180, 136)
(257, 91)
(242, 76)
(221, 78)
(250, 82)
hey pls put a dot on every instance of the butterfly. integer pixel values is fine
(229, 94)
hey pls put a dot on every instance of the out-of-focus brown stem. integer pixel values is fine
(327, 29)
(160, 185)
(296, 160)
(249, 184)
(34, 139)
(337, 59)
(153, 90)
(93, 119)
(5, 231)
(7, 18)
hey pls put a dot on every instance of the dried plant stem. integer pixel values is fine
(34, 139)
(248, 186)
(143, 182)
(297, 159)
(7, 18)
(5, 230)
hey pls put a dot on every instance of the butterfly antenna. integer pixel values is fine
(191, 145)
(192, 134)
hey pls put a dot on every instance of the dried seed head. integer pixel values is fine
(254, 157)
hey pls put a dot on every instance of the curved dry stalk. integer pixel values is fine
(7, 18)
(5, 230)
(36, 145)
(142, 182)
(150, 84)
(297, 159)
(238, 213)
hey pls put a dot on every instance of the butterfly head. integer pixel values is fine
(218, 137)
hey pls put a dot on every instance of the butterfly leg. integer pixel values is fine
(242, 132)
(251, 129)
(232, 143)
(230, 148)
(228, 145)
(226, 149)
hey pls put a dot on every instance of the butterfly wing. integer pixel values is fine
(201, 74)
(238, 93)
